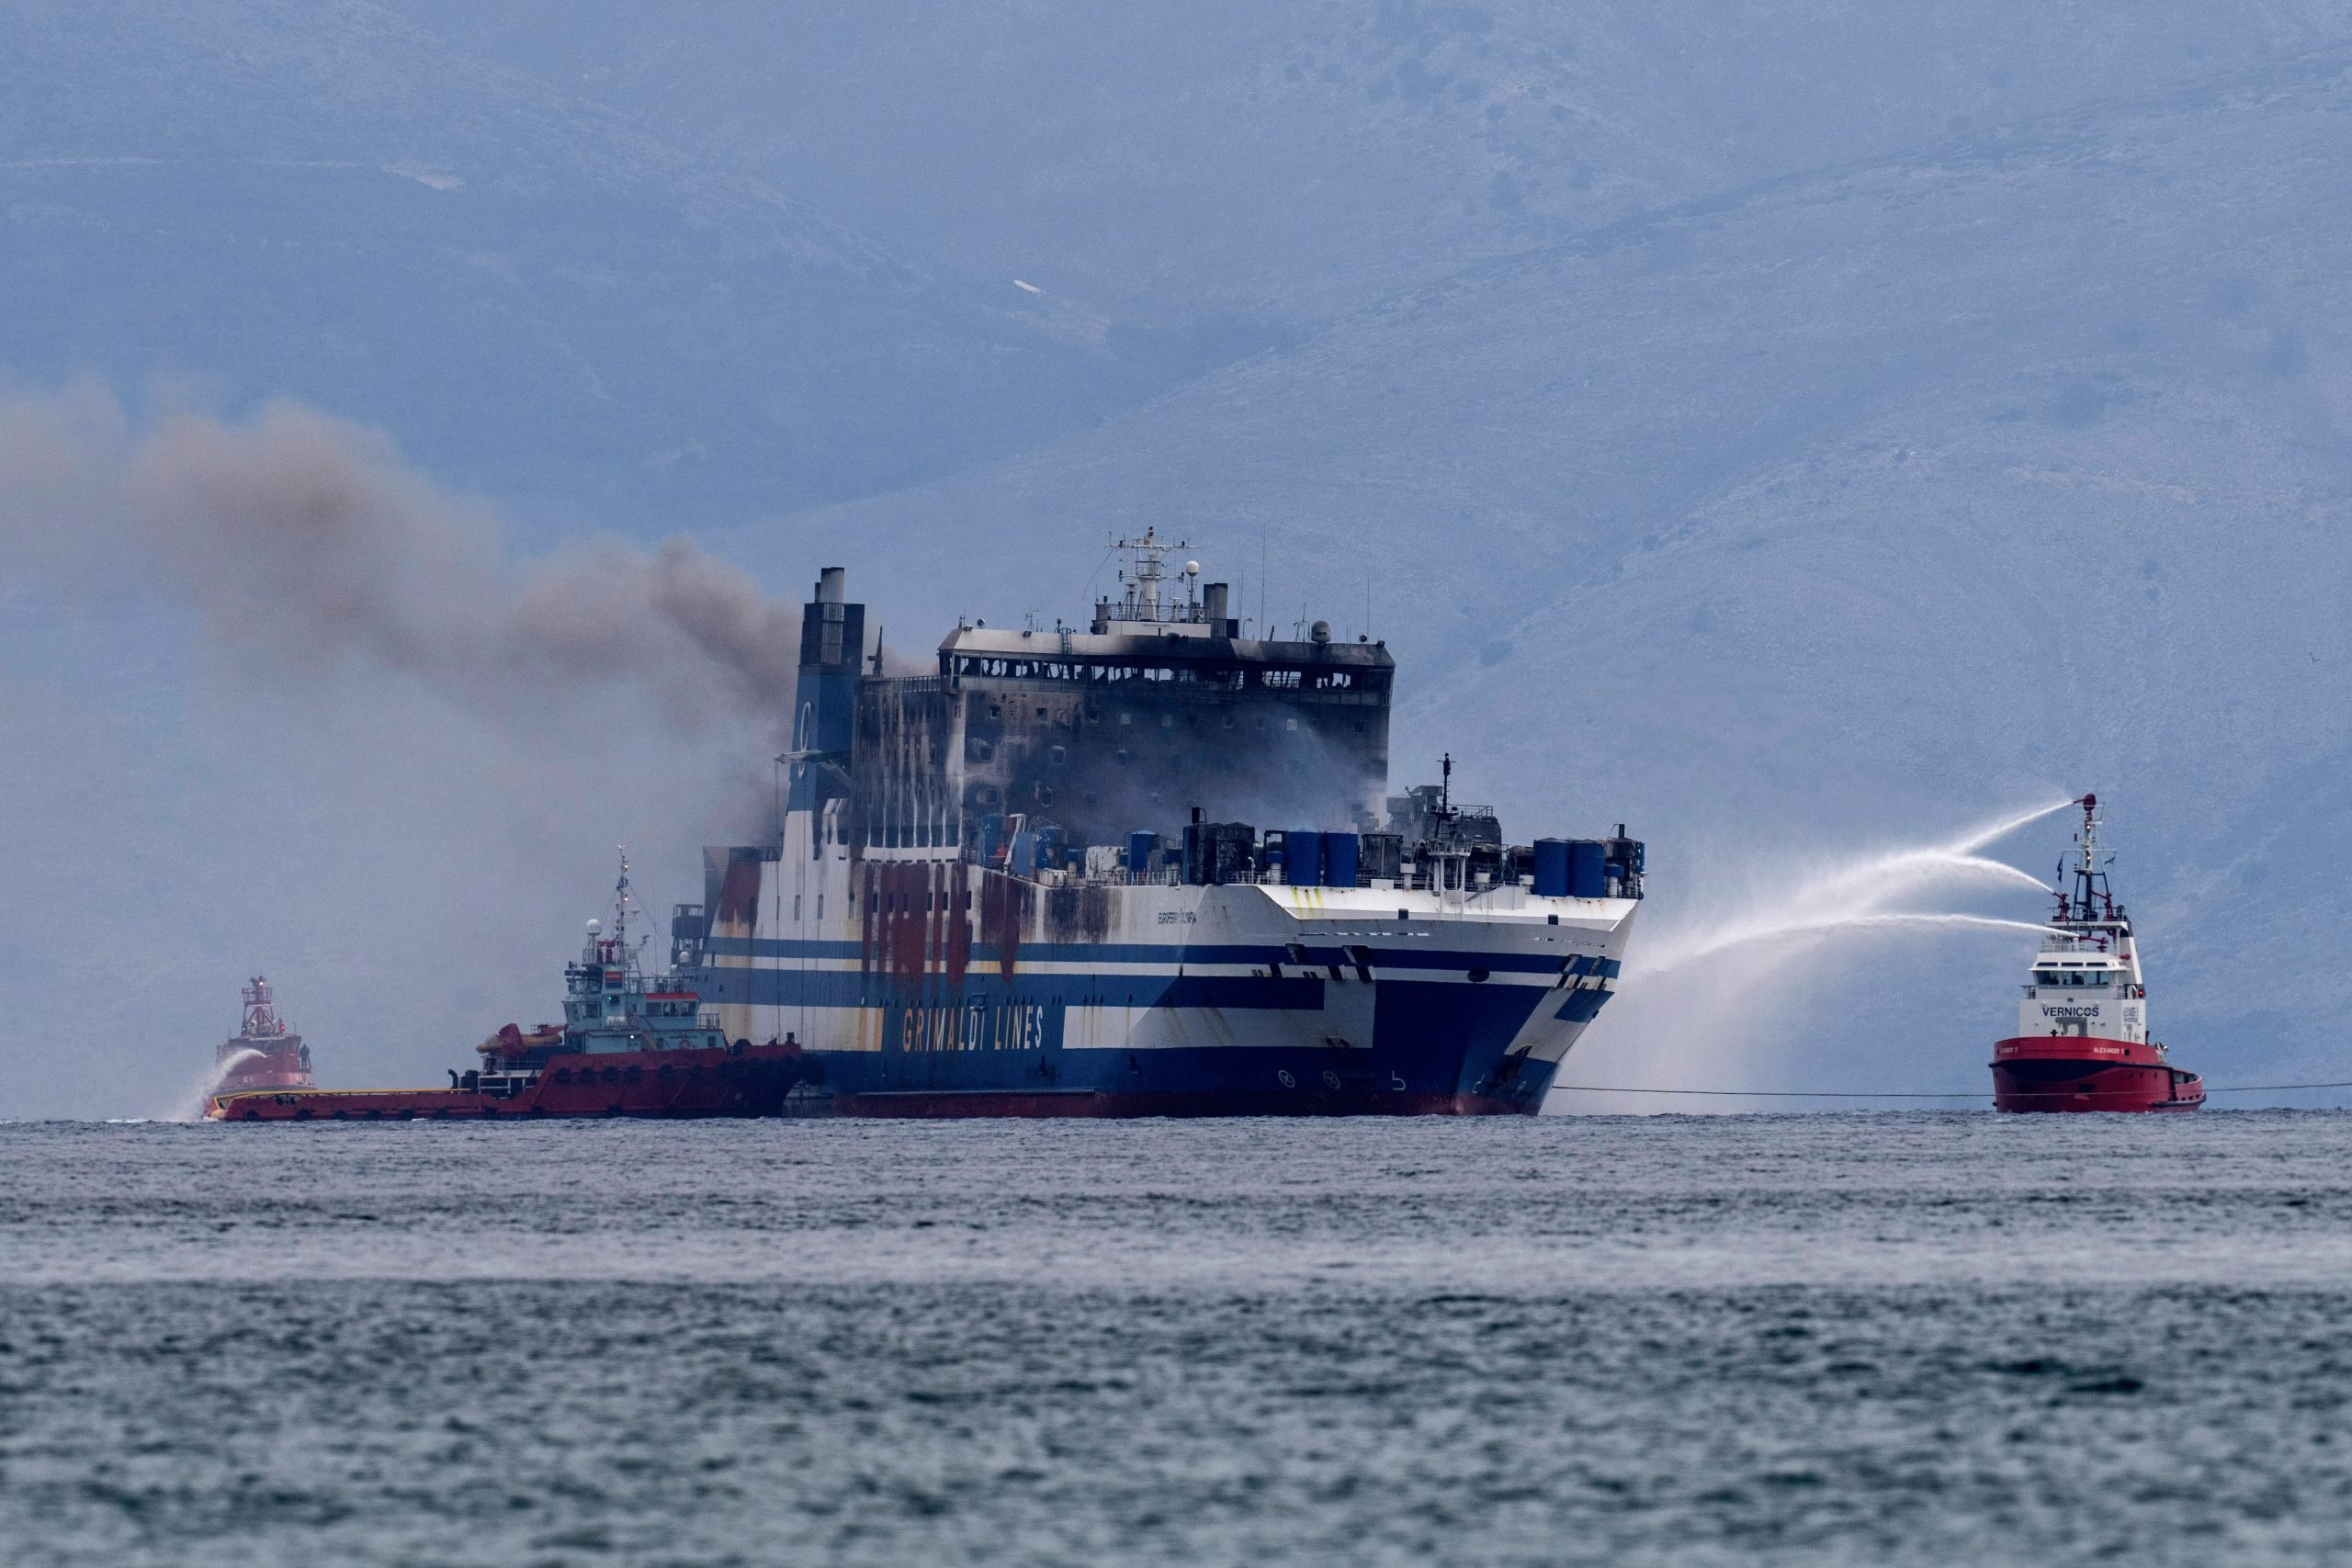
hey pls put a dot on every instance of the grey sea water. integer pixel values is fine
(1857, 1338)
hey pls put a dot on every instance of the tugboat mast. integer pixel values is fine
(2091, 902)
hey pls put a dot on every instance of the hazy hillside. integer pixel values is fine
(1204, 164)
(536, 294)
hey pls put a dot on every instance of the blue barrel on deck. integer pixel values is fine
(1588, 869)
(1552, 867)
(1139, 848)
(1342, 857)
(1303, 858)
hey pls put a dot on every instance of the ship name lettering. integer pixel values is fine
(974, 1025)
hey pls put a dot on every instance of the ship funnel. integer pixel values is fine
(1212, 603)
(832, 644)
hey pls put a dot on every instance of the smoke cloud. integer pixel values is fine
(307, 548)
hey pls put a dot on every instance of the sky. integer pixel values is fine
(1807, 434)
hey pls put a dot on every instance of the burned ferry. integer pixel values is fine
(1145, 868)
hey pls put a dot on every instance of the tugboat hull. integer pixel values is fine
(749, 1081)
(2081, 1073)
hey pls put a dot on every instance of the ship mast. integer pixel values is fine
(2087, 910)
(261, 1018)
(1141, 580)
(620, 904)
(2092, 900)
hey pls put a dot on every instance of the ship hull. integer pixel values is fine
(919, 1104)
(1163, 999)
(665, 1084)
(2063, 1073)
(1438, 1076)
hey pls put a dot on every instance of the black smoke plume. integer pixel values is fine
(307, 548)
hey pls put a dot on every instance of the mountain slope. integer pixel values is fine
(1198, 167)
(537, 295)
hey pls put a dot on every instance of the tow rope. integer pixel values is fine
(1896, 1094)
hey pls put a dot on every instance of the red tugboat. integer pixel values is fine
(2081, 1040)
(264, 1053)
(629, 1046)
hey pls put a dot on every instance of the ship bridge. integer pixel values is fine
(1159, 708)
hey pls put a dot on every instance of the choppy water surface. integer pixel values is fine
(1867, 1339)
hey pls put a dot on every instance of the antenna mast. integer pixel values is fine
(620, 903)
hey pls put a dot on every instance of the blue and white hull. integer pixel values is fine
(933, 987)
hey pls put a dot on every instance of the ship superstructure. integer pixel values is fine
(2083, 1041)
(264, 1053)
(1145, 867)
